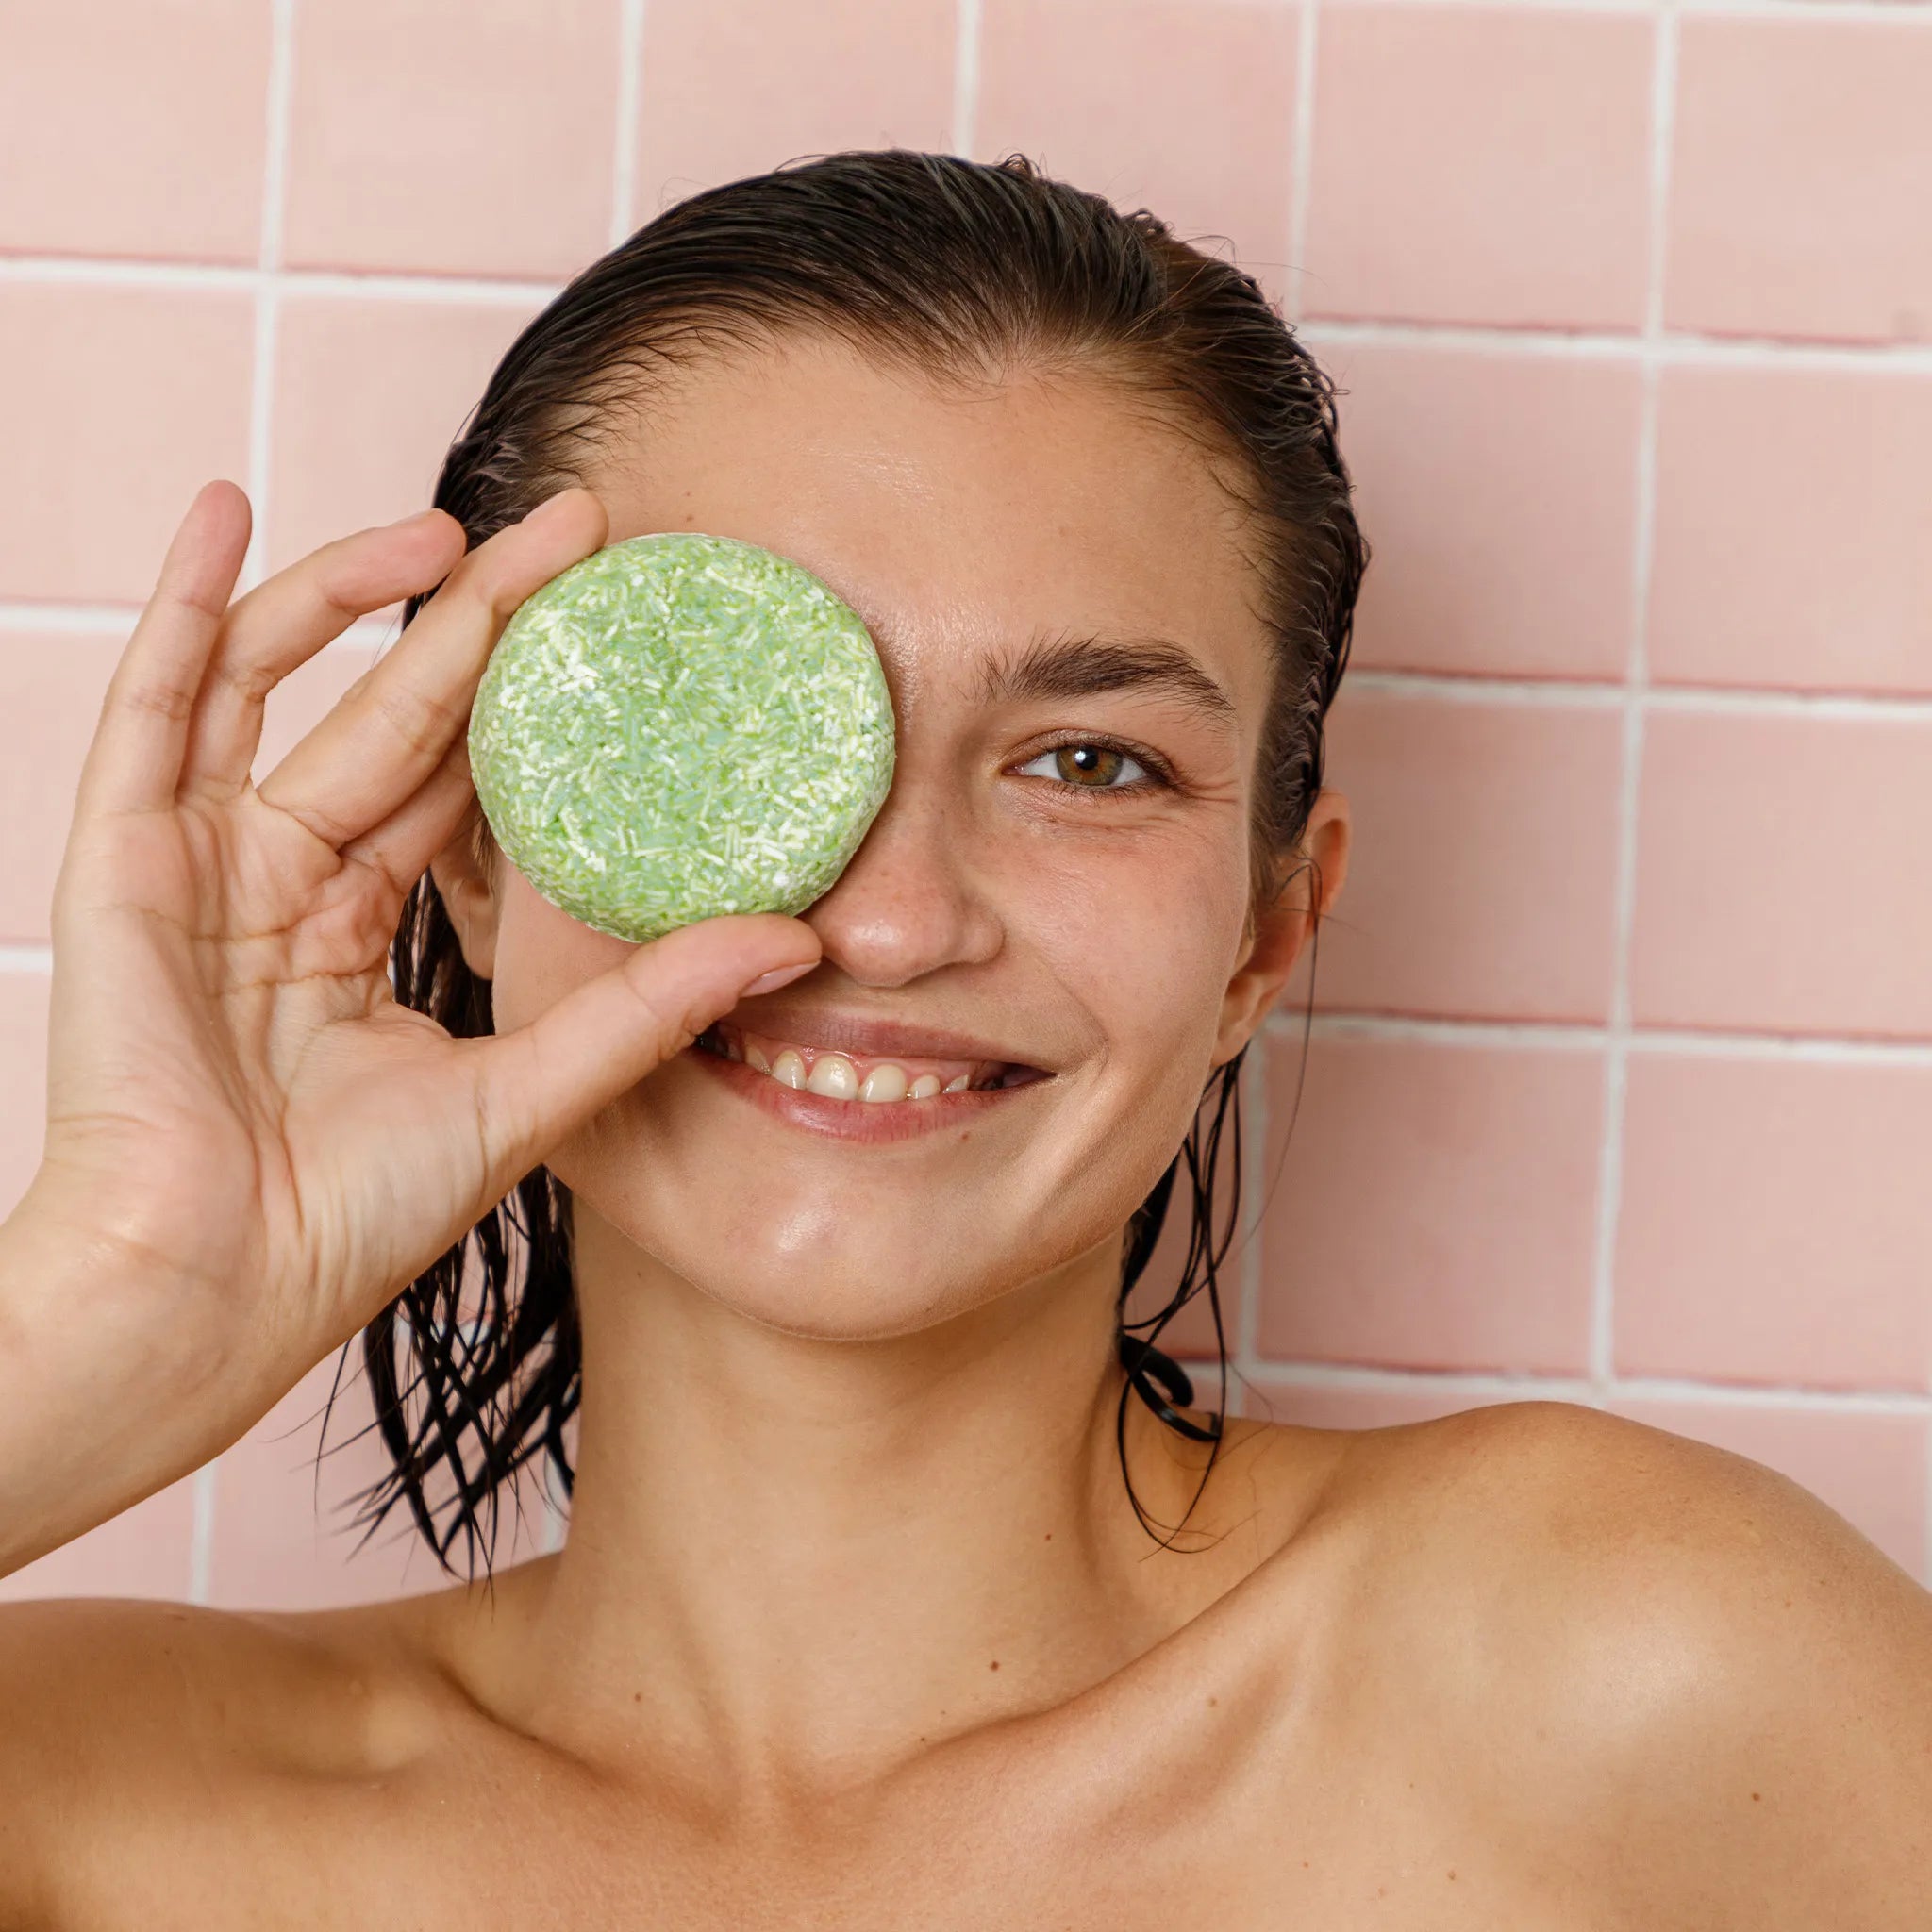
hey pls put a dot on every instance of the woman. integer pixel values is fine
(883, 1605)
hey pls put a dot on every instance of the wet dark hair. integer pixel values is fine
(960, 273)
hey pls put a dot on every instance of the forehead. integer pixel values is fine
(950, 520)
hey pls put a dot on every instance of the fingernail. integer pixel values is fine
(777, 977)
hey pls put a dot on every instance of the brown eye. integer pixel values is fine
(1093, 766)
(1096, 768)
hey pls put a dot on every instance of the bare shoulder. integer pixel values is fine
(1699, 1686)
(116, 1709)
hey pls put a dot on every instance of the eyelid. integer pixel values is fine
(1161, 774)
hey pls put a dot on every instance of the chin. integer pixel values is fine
(814, 1235)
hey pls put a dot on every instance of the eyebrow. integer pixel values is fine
(1072, 666)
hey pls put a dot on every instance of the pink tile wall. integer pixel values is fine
(1617, 1091)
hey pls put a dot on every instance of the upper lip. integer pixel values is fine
(864, 1037)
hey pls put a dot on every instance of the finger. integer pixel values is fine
(536, 1085)
(391, 731)
(400, 848)
(286, 619)
(134, 761)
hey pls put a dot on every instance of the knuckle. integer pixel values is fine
(422, 721)
(154, 698)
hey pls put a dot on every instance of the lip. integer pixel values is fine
(868, 1121)
(864, 1039)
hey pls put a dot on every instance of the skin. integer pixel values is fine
(855, 1623)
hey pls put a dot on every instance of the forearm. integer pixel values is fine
(100, 1405)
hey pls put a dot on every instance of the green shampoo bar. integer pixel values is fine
(678, 727)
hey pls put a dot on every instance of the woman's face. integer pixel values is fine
(1077, 912)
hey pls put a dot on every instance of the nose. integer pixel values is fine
(906, 902)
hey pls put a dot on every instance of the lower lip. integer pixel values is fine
(871, 1120)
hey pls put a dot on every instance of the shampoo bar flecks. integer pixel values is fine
(678, 727)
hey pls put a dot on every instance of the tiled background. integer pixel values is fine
(1620, 1088)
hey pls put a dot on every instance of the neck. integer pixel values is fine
(794, 1563)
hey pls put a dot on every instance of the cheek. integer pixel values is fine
(1142, 929)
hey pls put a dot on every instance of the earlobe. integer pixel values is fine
(463, 884)
(1282, 929)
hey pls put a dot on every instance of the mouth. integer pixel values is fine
(861, 1079)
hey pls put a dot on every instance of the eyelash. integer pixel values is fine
(1159, 778)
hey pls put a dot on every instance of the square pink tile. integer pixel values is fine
(1070, 84)
(284, 1534)
(1801, 187)
(1870, 1469)
(1773, 1224)
(1781, 876)
(442, 137)
(1499, 494)
(24, 1070)
(51, 687)
(368, 396)
(1436, 1207)
(119, 405)
(1482, 879)
(1481, 164)
(134, 129)
(144, 1552)
(733, 88)
(1793, 507)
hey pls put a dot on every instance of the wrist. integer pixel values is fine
(109, 1378)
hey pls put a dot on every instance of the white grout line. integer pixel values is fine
(109, 620)
(966, 38)
(383, 286)
(1913, 13)
(1674, 346)
(624, 166)
(1244, 1356)
(1637, 677)
(1539, 1035)
(1307, 46)
(201, 1539)
(268, 291)
(1532, 1388)
(1702, 700)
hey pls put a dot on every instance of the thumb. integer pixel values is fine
(533, 1086)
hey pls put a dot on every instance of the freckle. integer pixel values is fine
(1049, 1536)
(1452, 1872)
(637, 1696)
(1754, 1797)
(1212, 1701)
(994, 1665)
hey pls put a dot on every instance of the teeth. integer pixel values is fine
(886, 1082)
(834, 1075)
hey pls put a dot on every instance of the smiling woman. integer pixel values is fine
(906, 1584)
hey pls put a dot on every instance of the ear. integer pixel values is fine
(464, 871)
(1280, 930)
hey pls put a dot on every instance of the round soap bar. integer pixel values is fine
(677, 726)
